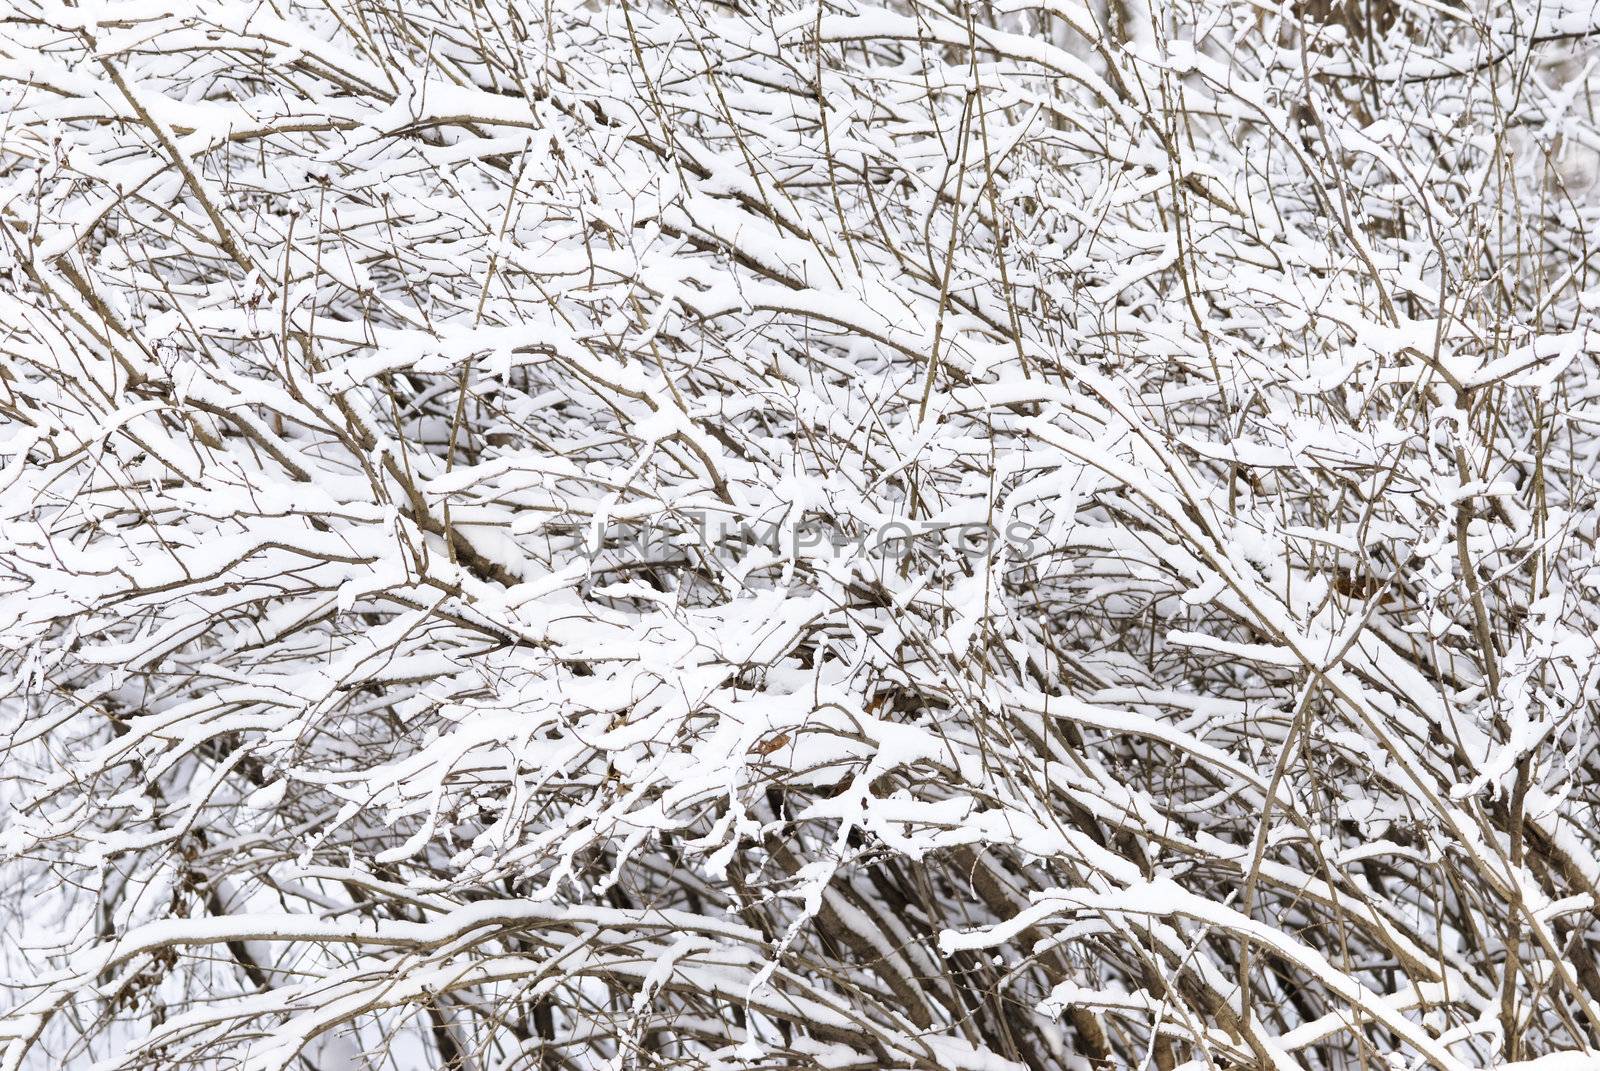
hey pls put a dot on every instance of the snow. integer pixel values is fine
(857, 534)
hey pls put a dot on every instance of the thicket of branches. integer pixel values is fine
(397, 398)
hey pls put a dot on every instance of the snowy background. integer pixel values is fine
(750, 534)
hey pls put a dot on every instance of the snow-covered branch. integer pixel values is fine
(747, 533)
